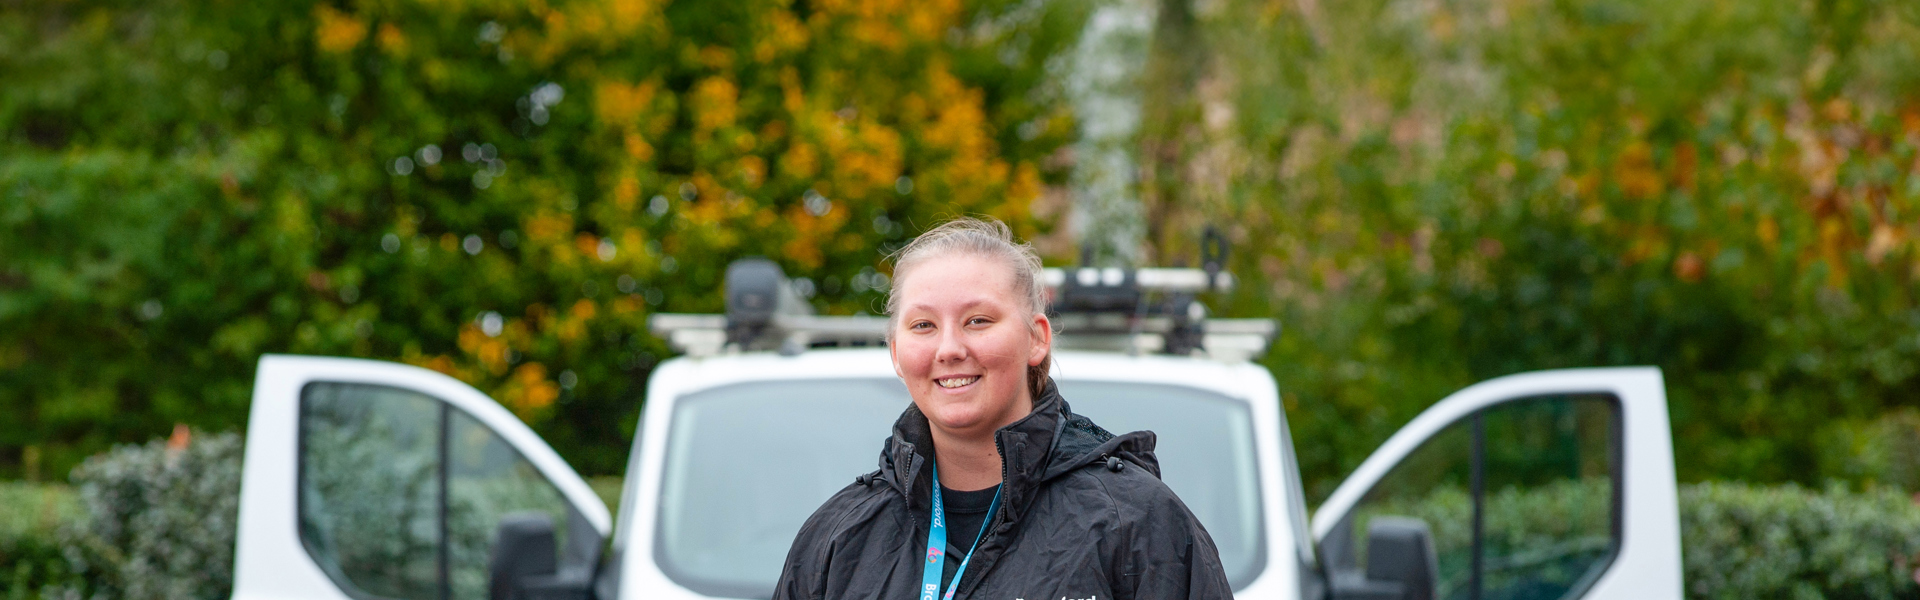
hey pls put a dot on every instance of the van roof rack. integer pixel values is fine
(1150, 310)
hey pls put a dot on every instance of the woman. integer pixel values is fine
(989, 486)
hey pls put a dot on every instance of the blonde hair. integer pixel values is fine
(985, 238)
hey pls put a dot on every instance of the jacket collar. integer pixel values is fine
(1025, 447)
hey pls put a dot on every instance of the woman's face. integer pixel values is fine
(962, 342)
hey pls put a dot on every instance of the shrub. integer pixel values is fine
(151, 521)
(30, 555)
(1746, 541)
(1882, 450)
(160, 521)
(1738, 540)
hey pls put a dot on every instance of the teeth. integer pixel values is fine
(956, 382)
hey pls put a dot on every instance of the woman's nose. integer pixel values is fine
(951, 349)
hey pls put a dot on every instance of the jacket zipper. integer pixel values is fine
(993, 519)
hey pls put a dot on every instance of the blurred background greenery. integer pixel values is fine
(1424, 193)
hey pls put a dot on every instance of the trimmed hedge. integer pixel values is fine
(1747, 541)
(1738, 540)
(150, 522)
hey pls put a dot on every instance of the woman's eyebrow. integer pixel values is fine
(963, 306)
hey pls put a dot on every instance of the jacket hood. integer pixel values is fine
(1049, 442)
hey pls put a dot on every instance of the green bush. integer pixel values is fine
(1738, 540)
(150, 522)
(159, 521)
(30, 554)
(1883, 450)
(1746, 541)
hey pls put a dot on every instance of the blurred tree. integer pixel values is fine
(497, 190)
(1436, 193)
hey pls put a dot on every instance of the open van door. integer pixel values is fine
(1553, 485)
(367, 479)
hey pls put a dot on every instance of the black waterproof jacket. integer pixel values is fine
(1083, 515)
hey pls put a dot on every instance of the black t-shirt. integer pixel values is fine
(966, 514)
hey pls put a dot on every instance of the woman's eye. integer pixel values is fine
(920, 325)
(978, 321)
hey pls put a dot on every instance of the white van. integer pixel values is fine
(367, 479)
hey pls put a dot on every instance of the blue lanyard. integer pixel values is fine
(937, 545)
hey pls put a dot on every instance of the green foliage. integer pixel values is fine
(158, 521)
(1883, 451)
(1745, 541)
(608, 488)
(1738, 540)
(30, 555)
(500, 191)
(1431, 194)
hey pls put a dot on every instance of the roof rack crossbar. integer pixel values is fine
(1092, 308)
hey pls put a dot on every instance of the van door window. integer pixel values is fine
(1522, 499)
(486, 480)
(401, 493)
(369, 488)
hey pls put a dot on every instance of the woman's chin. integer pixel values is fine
(954, 418)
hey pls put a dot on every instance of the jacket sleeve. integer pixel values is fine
(802, 574)
(1173, 557)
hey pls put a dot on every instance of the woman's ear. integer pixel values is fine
(894, 357)
(1042, 339)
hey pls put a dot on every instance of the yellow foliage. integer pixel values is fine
(626, 193)
(337, 31)
(547, 227)
(753, 170)
(582, 310)
(960, 122)
(716, 57)
(637, 147)
(1883, 241)
(799, 160)
(528, 392)
(392, 40)
(1833, 241)
(587, 244)
(787, 34)
(1768, 231)
(1634, 171)
(602, 24)
(633, 245)
(812, 235)
(621, 105)
(440, 363)
(629, 15)
(792, 97)
(715, 103)
(490, 351)
(930, 19)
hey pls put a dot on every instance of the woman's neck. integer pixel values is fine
(966, 463)
(968, 459)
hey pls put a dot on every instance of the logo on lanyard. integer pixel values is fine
(933, 555)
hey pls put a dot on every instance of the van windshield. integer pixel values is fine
(746, 464)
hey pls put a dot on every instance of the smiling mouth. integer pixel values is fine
(956, 382)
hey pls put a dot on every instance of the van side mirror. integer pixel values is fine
(1401, 564)
(525, 562)
(1400, 550)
